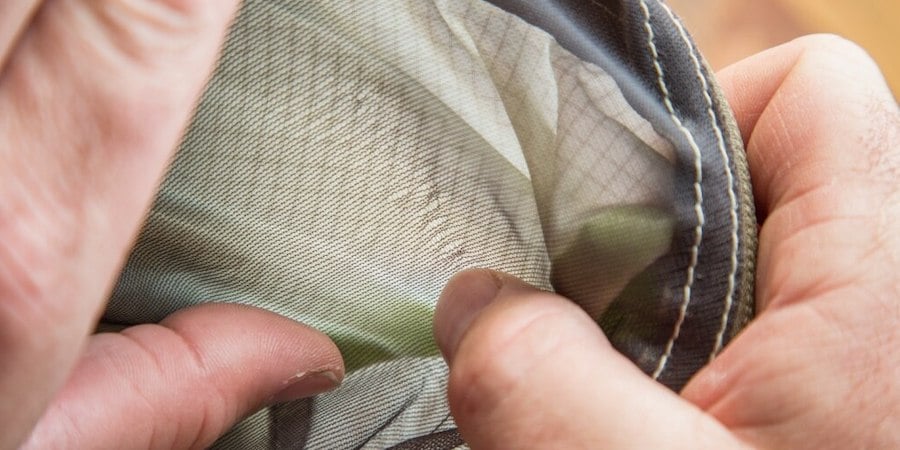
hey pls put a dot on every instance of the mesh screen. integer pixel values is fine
(349, 157)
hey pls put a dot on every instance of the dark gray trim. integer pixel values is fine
(614, 36)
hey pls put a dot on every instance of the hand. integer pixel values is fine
(820, 365)
(94, 96)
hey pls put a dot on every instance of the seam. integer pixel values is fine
(732, 195)
(698, 194)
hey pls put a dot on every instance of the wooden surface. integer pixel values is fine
(729, 30)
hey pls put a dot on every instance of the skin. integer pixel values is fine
(818, 368)
(93, 98)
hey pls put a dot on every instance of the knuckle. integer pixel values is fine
(882, 139)
(832, 44)
(832, 61)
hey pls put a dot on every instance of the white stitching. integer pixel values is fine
(698, 193)
(732, 196)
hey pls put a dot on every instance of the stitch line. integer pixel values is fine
(698, 193)
(732, 196)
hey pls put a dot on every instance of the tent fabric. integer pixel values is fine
(347, 158)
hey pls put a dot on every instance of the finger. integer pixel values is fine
(814, 95)
(816, 368)
(184, 382)
(823, 144)
(529, 369)
(14, 17)
(92, 102)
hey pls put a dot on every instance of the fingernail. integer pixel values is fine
(306, 384)
(462, 300)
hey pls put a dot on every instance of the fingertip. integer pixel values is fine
(533, 370)
(184, 382)
(461, 301)
(516, 355)
(238, 332)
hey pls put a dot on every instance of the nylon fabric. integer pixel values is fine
(347, 158)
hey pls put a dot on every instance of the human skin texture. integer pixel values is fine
(818, 368)
(94, 96)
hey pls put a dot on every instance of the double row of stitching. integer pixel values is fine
(698, 193)
(732, 194)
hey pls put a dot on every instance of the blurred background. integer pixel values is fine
(728, 30)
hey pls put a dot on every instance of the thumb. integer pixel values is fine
(529, 369)
(186, 381)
